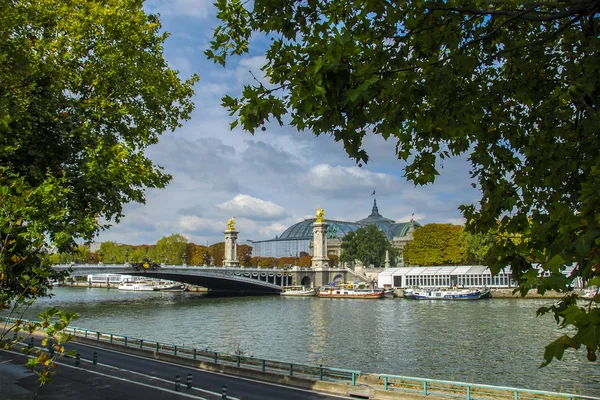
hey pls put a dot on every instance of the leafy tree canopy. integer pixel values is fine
(84, 90)
(435, 244)
(367, 245)
(512, 84)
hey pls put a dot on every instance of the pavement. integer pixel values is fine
(122, 376)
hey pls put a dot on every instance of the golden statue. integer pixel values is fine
(230, 223)
(320, 215)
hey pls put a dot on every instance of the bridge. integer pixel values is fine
(227, 281)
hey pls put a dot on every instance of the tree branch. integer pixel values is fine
(580, 9)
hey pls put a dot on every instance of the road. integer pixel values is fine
(120, 376)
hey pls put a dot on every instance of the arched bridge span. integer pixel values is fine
(219, 280)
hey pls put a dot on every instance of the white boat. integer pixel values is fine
(389, 293)
(298, 291)
(447, 294)
(136, 286)
(357, 290)
(170, 287)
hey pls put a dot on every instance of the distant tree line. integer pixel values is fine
(176, 250)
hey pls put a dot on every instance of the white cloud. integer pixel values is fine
(199, 226)
(247, 206)
(272, 230)
(325, 177)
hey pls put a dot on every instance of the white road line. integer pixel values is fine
(119, 378)
(220, 373)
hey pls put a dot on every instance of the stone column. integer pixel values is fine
(231, 235)
(387, 259)
(319, 258)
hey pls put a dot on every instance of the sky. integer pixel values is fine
(273, 179)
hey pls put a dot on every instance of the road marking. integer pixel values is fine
(119, 378)
(218, 373)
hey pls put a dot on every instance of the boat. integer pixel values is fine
(589, 293)
(170, 287)
(136, 286)
(447, 294)
(389, 293)
(298, 291)
(350, 291)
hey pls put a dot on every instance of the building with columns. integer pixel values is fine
(300, 236)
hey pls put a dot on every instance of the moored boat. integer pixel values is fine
(170, 287)
(136, 286)
(447, 294)
(350, 291)
(298, 291)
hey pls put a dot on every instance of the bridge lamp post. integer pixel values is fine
(100, 257)
(126, 256)
(184, 258)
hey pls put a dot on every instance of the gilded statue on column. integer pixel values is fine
(230, 223)
(320, 215)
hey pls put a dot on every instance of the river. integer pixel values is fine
(497, 341)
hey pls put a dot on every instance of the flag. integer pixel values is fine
(373, 194)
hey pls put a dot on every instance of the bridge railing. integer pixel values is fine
(386, 382)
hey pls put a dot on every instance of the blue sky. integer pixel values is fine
(273, 179)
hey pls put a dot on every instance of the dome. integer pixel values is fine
(304, 229)
(400, 229)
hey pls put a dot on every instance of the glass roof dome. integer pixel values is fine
(339, 229)
(304, 229)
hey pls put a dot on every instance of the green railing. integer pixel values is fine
(425, 387)
(469, 391)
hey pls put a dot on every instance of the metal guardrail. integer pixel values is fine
(423, 386)
(469, 391)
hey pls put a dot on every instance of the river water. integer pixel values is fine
(497, 341)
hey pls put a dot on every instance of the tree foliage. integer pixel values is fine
(513, 85)
(435, 244)
(84, 90)
(367, 245)
(476, 246)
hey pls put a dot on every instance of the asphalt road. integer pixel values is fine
(124, 376)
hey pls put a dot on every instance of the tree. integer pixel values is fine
(197, 254)
(172, 249)
(476, 247)
(513, 85)
(435, 244)
(244, 254)
(84, 90)
(217, 252)
(366, 244)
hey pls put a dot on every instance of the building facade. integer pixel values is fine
(298, 238)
